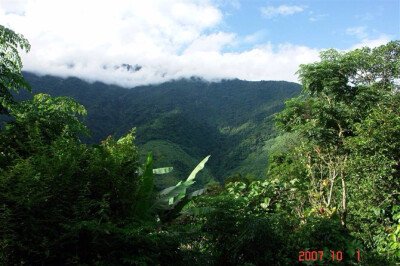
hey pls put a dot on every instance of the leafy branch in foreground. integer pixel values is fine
(10, 66)
(39, 122)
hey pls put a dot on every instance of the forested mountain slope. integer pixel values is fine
(182, 121)
(331, 196)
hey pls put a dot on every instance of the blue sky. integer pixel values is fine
(212, 39)
(318, 24)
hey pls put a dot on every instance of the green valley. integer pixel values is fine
(182, 121)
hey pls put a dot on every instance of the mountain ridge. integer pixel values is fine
(232, 120)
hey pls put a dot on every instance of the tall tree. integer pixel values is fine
(342, 95)
(10, 65)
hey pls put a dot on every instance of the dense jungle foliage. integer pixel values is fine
(332, 183)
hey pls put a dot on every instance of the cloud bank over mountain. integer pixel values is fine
(163, 39)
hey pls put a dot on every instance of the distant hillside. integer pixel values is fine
(183, 121)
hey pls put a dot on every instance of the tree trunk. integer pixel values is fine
(344, 213)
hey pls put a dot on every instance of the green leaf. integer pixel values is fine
(377, 211)
(169, 197)
(197, 193)
(397, 229)
(146, 189)
(198, 168)
(161, 171)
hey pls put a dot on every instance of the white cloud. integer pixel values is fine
(255, 37)
(370, 16)
(359, 32)
(210, 43)
(372, 43)
(365, 17)
(364, 39)
(168, 39)
(231, 3)
(284, 10)
(319, 17)
(14, 6)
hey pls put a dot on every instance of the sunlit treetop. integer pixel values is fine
(342, 73)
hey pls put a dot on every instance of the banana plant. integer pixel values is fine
(145, 191)
(171, 200)
(168, 202)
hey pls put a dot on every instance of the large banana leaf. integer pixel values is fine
(169, 197)
(169, 201)
(146, 188)
(199, 167)
(171, 211)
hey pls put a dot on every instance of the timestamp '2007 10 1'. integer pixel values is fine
(308, 255)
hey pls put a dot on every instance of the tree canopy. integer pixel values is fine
(11, 65)
(348, 121)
